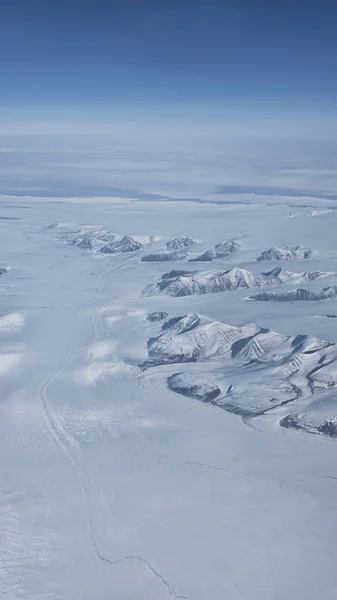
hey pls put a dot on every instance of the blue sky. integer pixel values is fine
(145, 57)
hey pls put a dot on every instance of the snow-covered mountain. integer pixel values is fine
(104, 241)
(319, 416)
(298, 295)
(192, 338)
(261, 370)
(221, 250)
(210, 282)
(180, 242)
(88, 237)
(126, 244)
(285, 253)
(175, 249)
(165, 256)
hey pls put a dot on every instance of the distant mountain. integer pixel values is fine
(126, 244)
(102, 240)
(165, 256)
(180, 242)
(86, 244)
(88, 238)
(221, 250)
(210, 282)
(327, 293)
(285, 253)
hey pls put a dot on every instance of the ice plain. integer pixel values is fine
(113, 486)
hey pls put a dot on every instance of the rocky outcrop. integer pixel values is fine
(297, 295)
(285, 253)
(180, 242)
(154, 317)
(184, 283)
(164, 256)
(250, 370)
(221, 250)
(194, 386)
(126, 244)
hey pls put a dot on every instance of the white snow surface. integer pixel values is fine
(11, 323)
(112, 485)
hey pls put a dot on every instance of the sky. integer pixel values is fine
(112, 59)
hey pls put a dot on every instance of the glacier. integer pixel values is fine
(161, 435)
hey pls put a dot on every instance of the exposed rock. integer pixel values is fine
(177, 273)
(179, 242)
(261, 369)
(88, 238)
(193, 386)
(328, 428)
(126, 244)
(185, 283)
(315, 420)
(86, 244)
(324, 377)
(156, 316)
(164, 256)
(297, 295)
(102, 240)
(178, 325)
(221, 250)
(286, 253)
(191, 338)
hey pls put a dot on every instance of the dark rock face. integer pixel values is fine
(156, 316)
(180, 242)
(177, 273)
(178, 325)
(201, 390)
(53, 225)
(262, 362)
(164, 256)
(107, 237)
(126, 244)
(160, 349)
(3, 270)
(85, 244)
(296, 295)
(219, 251)
(285, 253)
(327, 427)
(290, 422)
(168, 324)
(207, 256)
(184, 283)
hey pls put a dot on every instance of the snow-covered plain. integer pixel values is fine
(114, 486)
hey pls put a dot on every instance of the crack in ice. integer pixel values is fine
(278, 480)
(145, 562)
